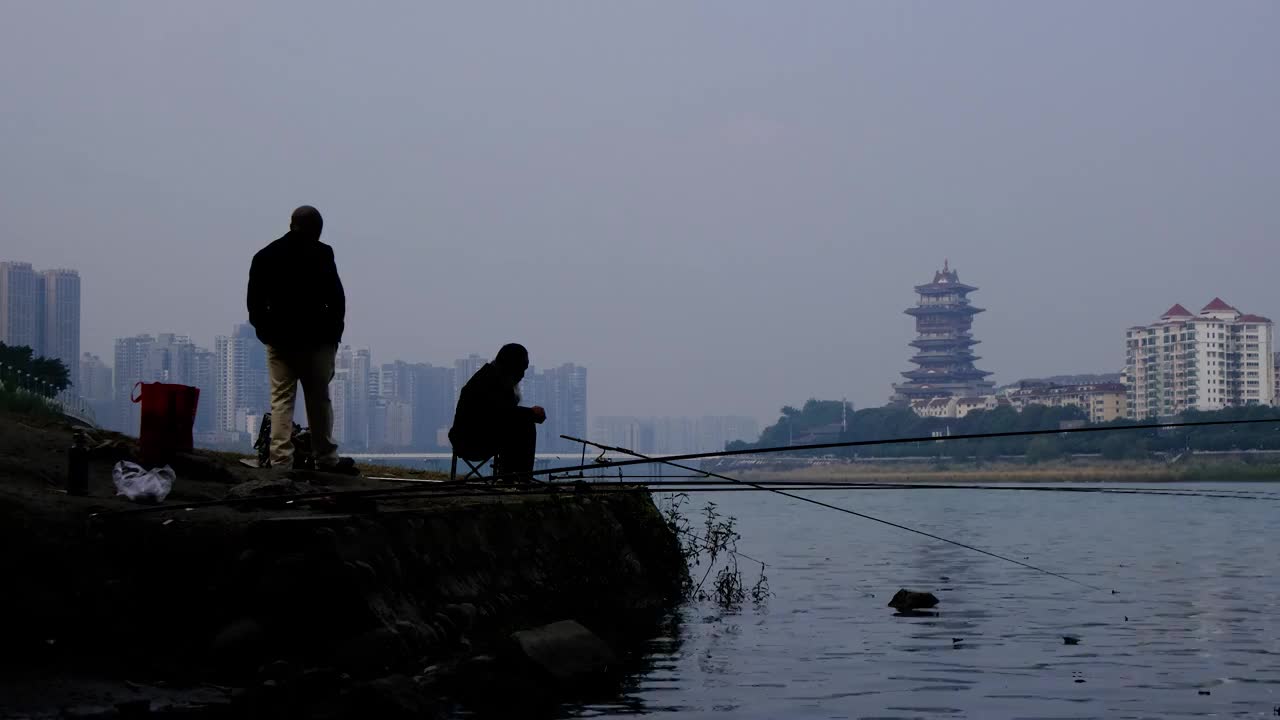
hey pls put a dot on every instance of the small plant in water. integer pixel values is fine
(717, 546)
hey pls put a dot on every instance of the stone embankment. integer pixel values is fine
(312, 609)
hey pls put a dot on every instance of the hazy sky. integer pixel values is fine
(716, 207)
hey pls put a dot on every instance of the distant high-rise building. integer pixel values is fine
(562, 392)
(204, 375)
(1214, 359)
(41, 310)
(463, 370)
(60, 325)
(95, 378)
(132, 355)
(674, 435)
(373, 389)
(242, 385)
(340, 392)
(349, 395)
(171, 359)
(1275, 379)
(399, 423)
(21, 303)
(396, 381)
(96, 388)
(164, 358)
(433, 404)
(944, 343)
(633, 433)
(378, 423)
(361, 371)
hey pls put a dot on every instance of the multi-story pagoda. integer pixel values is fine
(944, 345)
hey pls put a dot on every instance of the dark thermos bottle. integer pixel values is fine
(78, 466)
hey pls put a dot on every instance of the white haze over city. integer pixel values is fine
(717, 207)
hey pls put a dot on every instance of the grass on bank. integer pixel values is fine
(23, 403)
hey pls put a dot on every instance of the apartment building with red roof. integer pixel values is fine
(1210, 360)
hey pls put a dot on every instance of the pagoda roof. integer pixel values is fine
(937, 288)
(942, 375)
(946, 351)
(949, 309)
(1176, 311)
(945, 280)
(1217, 305)
(946, 354)
(942, 342)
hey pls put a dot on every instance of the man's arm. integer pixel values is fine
(335, 296)
(256, 300)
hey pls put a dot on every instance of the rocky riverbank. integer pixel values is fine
(313, 609)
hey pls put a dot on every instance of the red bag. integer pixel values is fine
(168, 416)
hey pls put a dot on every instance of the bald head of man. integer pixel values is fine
(306, 220)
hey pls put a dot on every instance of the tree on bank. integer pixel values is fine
(20, 361)
(894, 422)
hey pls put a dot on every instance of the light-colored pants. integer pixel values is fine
(314, 369)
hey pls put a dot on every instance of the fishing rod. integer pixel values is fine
(413, 488)
(569, 489)
(837, 508)
(851, 485)
(443, 489)
(902, 441)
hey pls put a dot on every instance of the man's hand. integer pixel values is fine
(539, 415)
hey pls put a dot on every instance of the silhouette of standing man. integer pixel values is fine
(298, 309)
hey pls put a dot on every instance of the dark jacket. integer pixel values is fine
(487, 408)
(296, 301)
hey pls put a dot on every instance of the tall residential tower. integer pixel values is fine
(41, 310)
(1214, 359)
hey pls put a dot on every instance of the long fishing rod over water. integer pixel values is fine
(907, 441)
(837, 508)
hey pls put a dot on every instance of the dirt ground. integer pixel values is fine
(33, 467)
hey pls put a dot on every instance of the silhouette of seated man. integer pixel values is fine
(489, 420)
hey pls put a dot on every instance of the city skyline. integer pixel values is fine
(380, 418)
(392, 396)
(402, 404)
(386, 406)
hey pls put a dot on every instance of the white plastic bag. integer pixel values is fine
(137, 483)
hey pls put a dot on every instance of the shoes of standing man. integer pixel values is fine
(344, 466)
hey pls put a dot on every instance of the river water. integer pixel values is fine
(1192, 630)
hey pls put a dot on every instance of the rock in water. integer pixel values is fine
(565, 649)
(905, 600)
